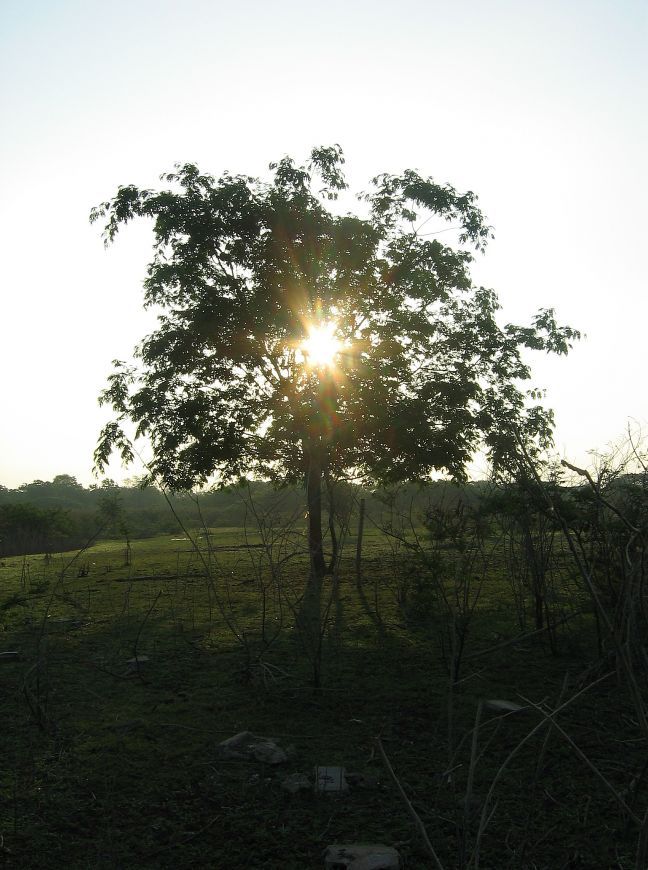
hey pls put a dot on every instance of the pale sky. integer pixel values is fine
(539, 106)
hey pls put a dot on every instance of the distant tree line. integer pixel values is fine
(61, 514)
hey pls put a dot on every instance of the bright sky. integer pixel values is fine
(540, 107)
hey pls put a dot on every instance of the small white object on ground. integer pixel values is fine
(246, 745)
(361, 856)
(331, 780)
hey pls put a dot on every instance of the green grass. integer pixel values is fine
(106, 765)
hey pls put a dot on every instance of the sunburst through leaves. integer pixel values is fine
(321, 347)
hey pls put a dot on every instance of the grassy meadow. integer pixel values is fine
(135, 662)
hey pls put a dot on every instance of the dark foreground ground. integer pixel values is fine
(107, 763)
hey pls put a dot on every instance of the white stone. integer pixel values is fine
(331, 780)
(246, 745)
(238, 746)
(361, 856)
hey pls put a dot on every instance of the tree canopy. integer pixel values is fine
(418, 373)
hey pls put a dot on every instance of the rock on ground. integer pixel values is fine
(331, 780)
(361, 856)
(247, 745)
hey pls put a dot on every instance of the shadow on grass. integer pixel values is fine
(123, 771)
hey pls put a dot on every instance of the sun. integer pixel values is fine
(321, 347)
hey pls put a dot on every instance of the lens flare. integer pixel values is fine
(321, 347)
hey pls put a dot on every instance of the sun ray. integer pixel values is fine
(321, 347)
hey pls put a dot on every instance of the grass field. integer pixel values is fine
(108, 762)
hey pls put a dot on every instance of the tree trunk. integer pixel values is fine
(314, 501)
(358, 560)
(309, 619)
(335, 544)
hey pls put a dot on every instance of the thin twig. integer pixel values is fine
(410, 809)
(550, 718)
(485, 819)
(469, 784)
(642, 846)
(520, 638)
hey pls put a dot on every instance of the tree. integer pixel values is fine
(64, 491)
(113, 516)
(296, 342)
(25, 528)
(66, 480)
